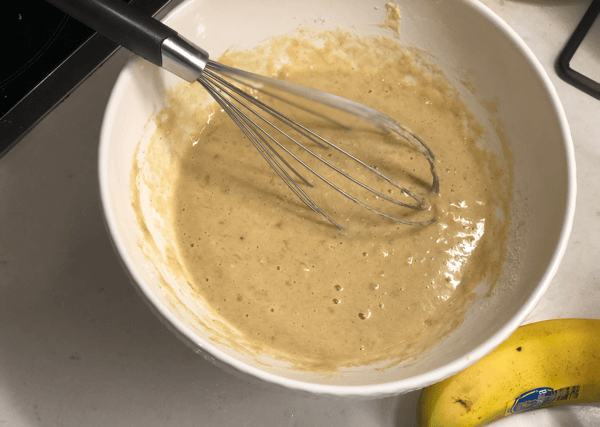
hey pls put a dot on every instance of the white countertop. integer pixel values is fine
(78, 347)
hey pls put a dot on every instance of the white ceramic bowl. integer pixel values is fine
(474, 48)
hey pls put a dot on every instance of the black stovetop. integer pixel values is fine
(46, 55)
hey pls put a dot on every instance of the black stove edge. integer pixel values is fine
(54, 89)
(58, 85)
(563, 67)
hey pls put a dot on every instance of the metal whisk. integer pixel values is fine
(261, 124)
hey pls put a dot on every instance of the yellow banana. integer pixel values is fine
(550, 363)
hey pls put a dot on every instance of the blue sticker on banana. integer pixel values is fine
(541, 396)
(531, 399)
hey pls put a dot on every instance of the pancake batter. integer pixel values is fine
(295, 287)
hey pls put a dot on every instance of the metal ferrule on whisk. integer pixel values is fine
(183, 58)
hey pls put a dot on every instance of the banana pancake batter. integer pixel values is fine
(282, 277)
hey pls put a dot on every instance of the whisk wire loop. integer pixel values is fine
(237, 104)
(316, 138)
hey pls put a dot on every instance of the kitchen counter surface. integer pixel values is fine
(78, 347)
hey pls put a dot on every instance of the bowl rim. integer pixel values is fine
(371, 390)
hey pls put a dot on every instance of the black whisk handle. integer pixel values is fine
(122, 23)
(141, 34)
